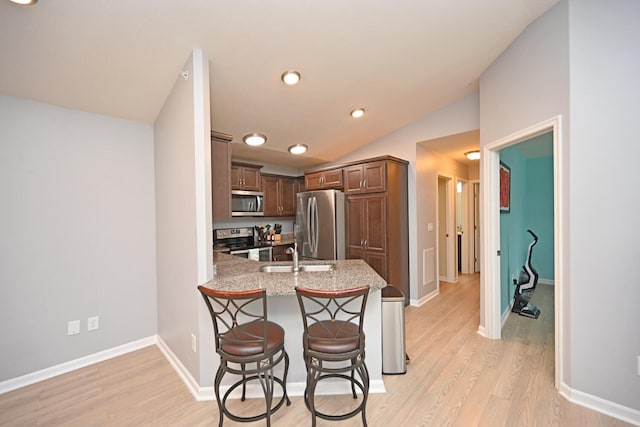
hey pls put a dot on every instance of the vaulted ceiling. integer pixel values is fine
(398, 59)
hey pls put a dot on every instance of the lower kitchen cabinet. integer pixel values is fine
(279, 253)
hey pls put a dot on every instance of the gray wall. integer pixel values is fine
(77, 226)
(178, 139)
(580, 60)
(605, 102)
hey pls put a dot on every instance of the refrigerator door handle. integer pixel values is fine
(309, 225)
(315, 226)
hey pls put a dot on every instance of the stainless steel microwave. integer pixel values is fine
(247, 203)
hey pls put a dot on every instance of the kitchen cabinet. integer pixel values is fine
(221, 176)
(245, 177)
(365, 178)
(279, 195)
(366, 229)
(279, 253)
(323, 180)
(376, 218)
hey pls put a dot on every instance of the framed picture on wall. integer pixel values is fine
(505, 188)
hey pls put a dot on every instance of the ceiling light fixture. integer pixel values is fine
(473, 155)
(254, 139)
(298, 149)
(25, 2)
(291, 77)
(357, 113)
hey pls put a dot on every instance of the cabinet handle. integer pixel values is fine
(366, 244)
(360, 186)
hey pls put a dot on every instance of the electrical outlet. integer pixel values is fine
(73, 327)
(193, 343)
(93, 323)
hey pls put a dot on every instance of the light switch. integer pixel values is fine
(430, 226)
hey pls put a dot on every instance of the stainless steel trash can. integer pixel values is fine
(394, 359)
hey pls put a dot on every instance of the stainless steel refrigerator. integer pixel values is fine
(319, 228)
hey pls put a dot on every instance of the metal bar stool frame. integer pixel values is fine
(244, 337)
(333, 334)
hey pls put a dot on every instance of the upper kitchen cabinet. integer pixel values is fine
(323, 180)
(245, 177)
(279, 195)
(221, 176)
(365, 178)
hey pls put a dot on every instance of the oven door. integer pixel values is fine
(257, 254)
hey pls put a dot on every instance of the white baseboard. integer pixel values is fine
(72, 365)
(598, 404)
(422, 301)
(199, 393)
(482, 331)
(253, 390)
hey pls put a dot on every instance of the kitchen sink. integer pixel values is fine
(318, 267)
(277, 269)
(289, 268)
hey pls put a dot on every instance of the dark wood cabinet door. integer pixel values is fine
(365, 178)
(353, 179)
(374, 176)
(287, 193)
(313, 181)
(354, 217)
(270, 188)
(333, 179)
(236, 177)
(375, 235)
(245, 177)
(220, 180)
(324, 180)
(251, 179)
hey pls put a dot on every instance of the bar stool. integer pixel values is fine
(248, 345)
(333, 344)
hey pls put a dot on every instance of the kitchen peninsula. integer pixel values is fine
(235, 274)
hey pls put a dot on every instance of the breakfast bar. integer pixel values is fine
(237, 274)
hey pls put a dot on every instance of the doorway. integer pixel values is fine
(490, 279)
(445, 227)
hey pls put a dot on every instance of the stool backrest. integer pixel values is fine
(231, 309)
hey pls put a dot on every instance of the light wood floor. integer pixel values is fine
(455, 377)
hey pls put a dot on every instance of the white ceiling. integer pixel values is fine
(399, 59)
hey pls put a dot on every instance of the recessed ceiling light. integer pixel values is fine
(25, 2)
(298, 149)
(473, 155)
(291, 77)
(357, 113)
(254, 139)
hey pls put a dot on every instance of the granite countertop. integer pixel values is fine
(236, 274)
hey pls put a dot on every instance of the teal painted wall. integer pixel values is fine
(531, 208)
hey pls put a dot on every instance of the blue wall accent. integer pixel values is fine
(531, 208)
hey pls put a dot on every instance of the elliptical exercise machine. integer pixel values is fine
(525, 285)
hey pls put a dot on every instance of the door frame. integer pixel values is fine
(451, 273)
(490, 220)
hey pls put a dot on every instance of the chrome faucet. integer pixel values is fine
(294, 252)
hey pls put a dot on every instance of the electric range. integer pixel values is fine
(241, 242)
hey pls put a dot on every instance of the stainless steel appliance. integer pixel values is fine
(320, 230)
(241, 242)
(247, 203)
